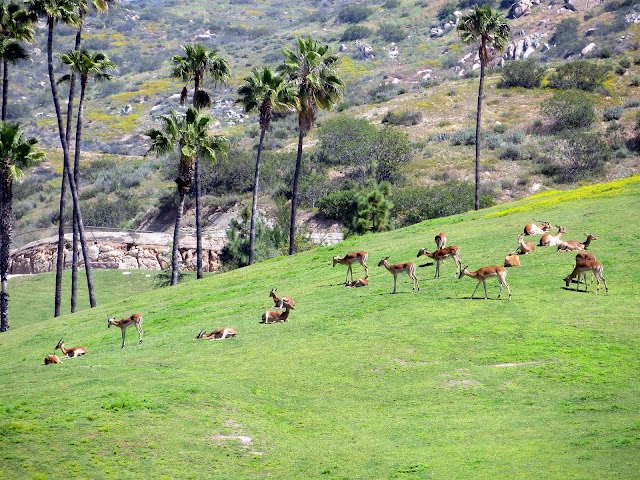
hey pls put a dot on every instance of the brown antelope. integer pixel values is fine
(273, 316)
(441, 240)
(487, 272)
(70, 352)
(277, 301)
(441, 255)
(584, 266)
(134, 319)
(581, 257)
(219, 334)
(349, 259)
(549, 239)
(512, 260)
(575, 245)
(49, 359)
(533, 229)
(361, 282)
(407, 267)
(524, 247)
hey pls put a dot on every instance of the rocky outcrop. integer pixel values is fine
(524, 47)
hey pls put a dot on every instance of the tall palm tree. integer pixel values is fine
(197, 63)
(86, 65)
(189, 138)
(312, 68)
(490, 28)
(267, 92)
(16, 154)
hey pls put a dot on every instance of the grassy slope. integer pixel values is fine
(359, 383)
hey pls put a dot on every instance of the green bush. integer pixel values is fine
(372, 210)
(511, 152)
(347, 140)
(579, 74)
(354, 13)
(405, 117)
(632, 103)
(446, 11)
(566, 37)
(391, 32)
(338, 205)
(612, 113)
(355, 32)
(393, 150)
(466, 136)
(570, 109)
(522, 73)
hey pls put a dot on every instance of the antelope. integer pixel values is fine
(277, 301)
(582, 256)
(549, 239)
(441, 240)
(349, 259)
(273, 316)
(533, 229)
(524, 247)
(441, 255)
(407, 267)
(70, 352)
(575, 245)
(584, 266)
(512, 260)
(487, 272)
(361, 282)
(51, 359)
(219, 334)
(134, 319)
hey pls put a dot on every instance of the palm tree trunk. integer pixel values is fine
(478, 121)
(5, 244)
(254, 201)
(76, 171)
(294, 196)
(198, 219)
(60, 257)
(175, 254)
(5, 87)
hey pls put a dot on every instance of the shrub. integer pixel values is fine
(405, 117)
(570, 109)
(354, 13)
(511, 152)
(566, 37)
(464, 137)
(393, 150)
(515, 136)
(355, 32)
(390, 4)
(625, 63)
(579, 74)
(372, 210)
(522, 73)
(346, 140)
(493, 141)
(634, 82)
(499, 128)
(634, 102)
(446, 11)
(391, 32)
(338, 205)
(612, 113)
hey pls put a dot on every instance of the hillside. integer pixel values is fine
(359, 383)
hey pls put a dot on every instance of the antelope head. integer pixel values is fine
(463, 271)
(422, 251)
(58, 345)
(199, 335)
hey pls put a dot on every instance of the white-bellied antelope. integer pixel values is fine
(361, 282)
(70, 352)
(135, 319)
(550, 239)
(273, 316)
(406, 267)
(277, 301)
(575, 245)
(524, 247)
(512, 260)
(49, 359)
(349, 259)
(219, 334)
(441, 255)
(487, 272)
(533, 229)
(584, 266)
(441, 240)
(581, 256)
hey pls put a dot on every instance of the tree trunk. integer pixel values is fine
(5, 247)
(198, 219)
(175, 254)
(254, 201)
(478, 119)
(60, 258)
(294, 196)
(5, 87)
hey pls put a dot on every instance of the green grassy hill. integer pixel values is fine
(359, 384)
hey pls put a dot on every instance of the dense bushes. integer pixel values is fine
(579, 74)
(404, 117)
(570, 109)
(355, 32)
(391, 32)
(566, 37)
(354, 13)
(522, 73)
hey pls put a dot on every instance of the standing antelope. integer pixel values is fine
(70, 352)
(533, 229)
(524, 247)
(407, 267)
(575, 245)
(549, 239)
(277, 301)
(51, 359)
(273, 316)
(361, 282)
(581, 257)
(349, 259)
(512, 260)
(135, 319)
(487, 272)
(584, 266)
(219, 334)
(441, 240)
(441, 255)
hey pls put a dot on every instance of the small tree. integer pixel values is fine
(570, 109)
(372, 210)
(579, 74)
(522, 73)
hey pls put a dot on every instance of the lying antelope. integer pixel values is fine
(487, 272)
(441, 255)
(549, 239)
(49, 359)
(219, 334)
(273, 316)
(533, 229)
(512, 260)
(277, 301)
(575, 245)
(407, 267)
(70, 352)
(524, 247)
(441, 240)
(361, 282)
(584, 266)
(134, 319)
(349, 259)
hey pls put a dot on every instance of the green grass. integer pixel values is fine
(359, 384)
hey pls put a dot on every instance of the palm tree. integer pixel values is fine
(16, 154)
(85, 64)
(490, 28)
(268, 92)
(187, 137)
(16, 26)
(311, 67)
(194, 65)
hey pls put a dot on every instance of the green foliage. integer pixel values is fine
(612, 113)
(338, 205)
(579, 74)
(392, 32)
(566, 37)
(446, 11)
(354, 13)
(511, 152)
(467, 4)
(570, 109)
(465, 136)
(393, 150)
(372, 209)
(347, 140)
(404, 117)
(115, 212)
(355, 32)
(522, 73)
